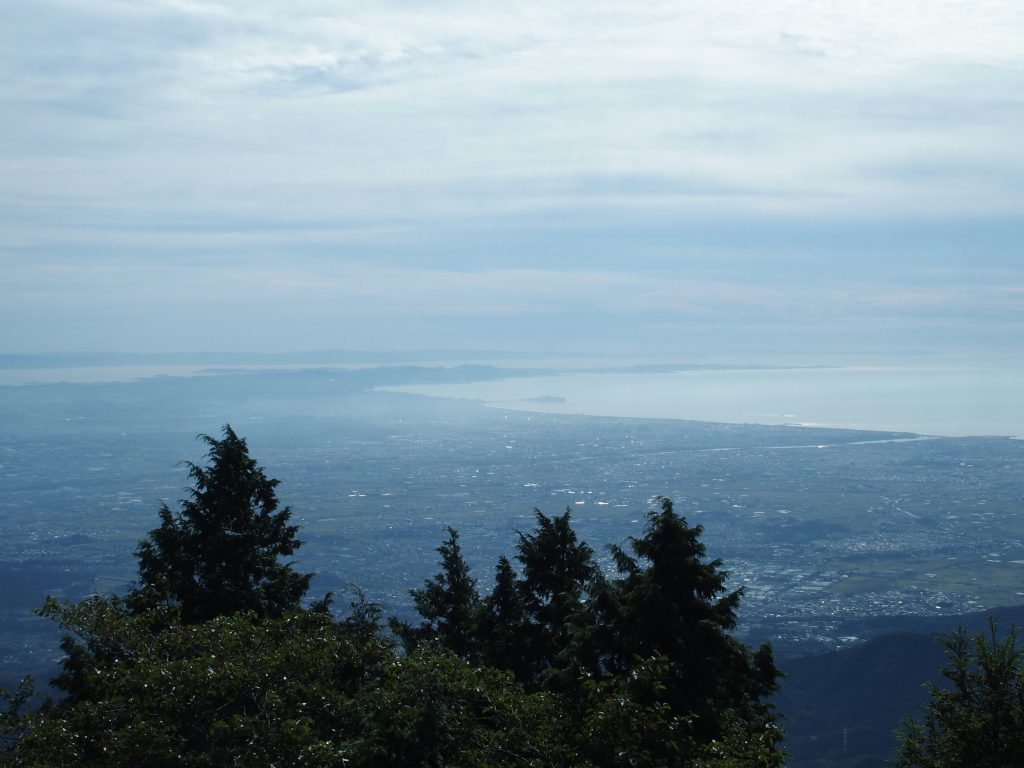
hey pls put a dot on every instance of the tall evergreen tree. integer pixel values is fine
(450, 604)
(558, 576)
(219, 554)
(671, 602)
(502, 623)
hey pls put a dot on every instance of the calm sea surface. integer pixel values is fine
(932, 401)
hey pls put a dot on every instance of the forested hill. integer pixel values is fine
(843, 708)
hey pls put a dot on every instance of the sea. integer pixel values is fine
(956, 400)
(928, 400)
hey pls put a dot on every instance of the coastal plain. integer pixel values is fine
(820, 527)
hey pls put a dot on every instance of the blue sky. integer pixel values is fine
(706, 179)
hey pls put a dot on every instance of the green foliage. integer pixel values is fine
(743, 746)
(235, 690)
(978, 720)
(432, 709)
(98, 635)
(219, 555)
(302, 689)
(624, 721)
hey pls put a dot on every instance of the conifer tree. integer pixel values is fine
(450, 604)
(219, 554)
(671, 602)
(558, 577)
(502, 623)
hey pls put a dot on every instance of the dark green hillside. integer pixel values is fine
(868, 689)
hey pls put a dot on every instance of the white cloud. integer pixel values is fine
(796, 104)
(251, 131)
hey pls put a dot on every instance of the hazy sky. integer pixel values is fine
(710, 178)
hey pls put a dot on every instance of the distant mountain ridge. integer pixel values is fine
(310, 357)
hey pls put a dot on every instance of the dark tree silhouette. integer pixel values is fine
(671, 602)
(450, 604)
(558, 576)
(501, 624)
(219, 554)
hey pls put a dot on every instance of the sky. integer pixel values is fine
(691, 179)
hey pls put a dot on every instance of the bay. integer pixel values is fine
(948, 401)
